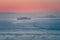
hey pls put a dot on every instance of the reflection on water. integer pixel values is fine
(46, 29)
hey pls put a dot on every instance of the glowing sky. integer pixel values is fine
(29, 5)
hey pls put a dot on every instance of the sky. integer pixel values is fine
(29, 5)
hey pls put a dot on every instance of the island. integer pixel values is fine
(50, 16)
(23, 18)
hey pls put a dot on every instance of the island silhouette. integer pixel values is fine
(23, 18)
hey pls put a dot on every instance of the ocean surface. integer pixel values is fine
(33, 29)
(38, 27)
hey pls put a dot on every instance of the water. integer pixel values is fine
(39, 29)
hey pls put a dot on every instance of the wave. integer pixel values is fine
(34, 29)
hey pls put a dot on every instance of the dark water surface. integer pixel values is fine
(46, 29)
